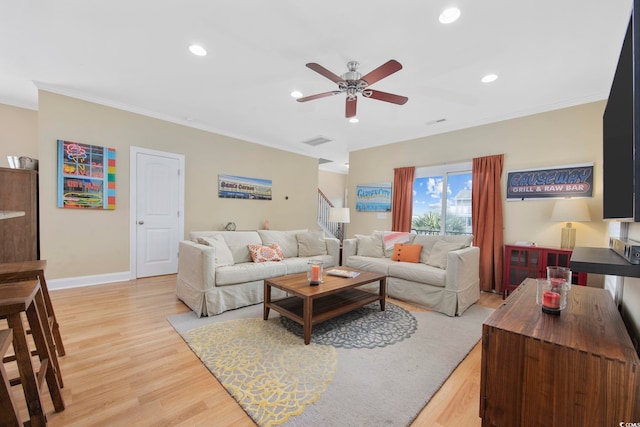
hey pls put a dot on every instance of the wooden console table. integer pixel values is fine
(578, 368)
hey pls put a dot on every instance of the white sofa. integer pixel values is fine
(216, 271)
(445, 278)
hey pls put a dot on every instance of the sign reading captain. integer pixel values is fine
(560, 182)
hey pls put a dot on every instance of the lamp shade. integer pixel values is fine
(570, 210)
(339, 215)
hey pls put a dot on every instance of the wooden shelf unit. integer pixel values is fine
(19, 235)
(522, 262)
(576, 369)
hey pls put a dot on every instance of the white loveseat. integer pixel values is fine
(216, 271)
(445, 278)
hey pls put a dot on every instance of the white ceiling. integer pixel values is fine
(133, 55)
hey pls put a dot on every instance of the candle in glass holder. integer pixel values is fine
(315, 273)
(551, 299)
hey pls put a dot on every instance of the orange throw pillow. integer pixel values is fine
(406, 253)
(261, 253)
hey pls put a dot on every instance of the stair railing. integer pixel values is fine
(324, 205)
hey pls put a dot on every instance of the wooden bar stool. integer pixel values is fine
(28, 270)
(27, 297)
(9, 414)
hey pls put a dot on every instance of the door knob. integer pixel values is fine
(140, 222)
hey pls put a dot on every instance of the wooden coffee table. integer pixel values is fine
(310, 305)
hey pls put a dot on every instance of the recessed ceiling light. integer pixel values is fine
(449, 15)
(489, 78)
(347, 164)
(198, 50)
(353, 120)
(296, 94)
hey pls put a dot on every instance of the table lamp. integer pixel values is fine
(570, 210)
(341, 216)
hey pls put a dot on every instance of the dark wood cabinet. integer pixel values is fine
(19, 237)
(576, 369)
(521, 262)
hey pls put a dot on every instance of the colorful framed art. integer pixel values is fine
(86, 176)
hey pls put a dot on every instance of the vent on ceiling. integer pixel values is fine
(316, 141)
(434, 122)
(322, 161)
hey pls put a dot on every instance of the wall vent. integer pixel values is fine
(318, 140)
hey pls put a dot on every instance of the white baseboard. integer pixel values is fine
(77, 282)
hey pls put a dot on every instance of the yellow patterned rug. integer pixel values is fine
(264, 366)
(366, 367)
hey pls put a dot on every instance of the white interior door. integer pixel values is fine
(158, 212)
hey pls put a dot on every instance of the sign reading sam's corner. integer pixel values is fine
(566, 181)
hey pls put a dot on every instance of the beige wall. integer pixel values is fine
(87, 242)
(565, 136)
(561, 137)
(19, 133)
(333, 186)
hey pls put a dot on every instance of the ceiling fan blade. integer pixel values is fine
(382, 71)
(350, 108)
(318, 96)
(387, 97)
(321, 70)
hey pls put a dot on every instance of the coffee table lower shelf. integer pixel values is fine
(324, 308)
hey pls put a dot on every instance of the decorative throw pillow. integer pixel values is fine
(261, 253)
(390, 238)
(311, 243)
(222, 252)
(438, 255)
(406, 253)
(370, 245)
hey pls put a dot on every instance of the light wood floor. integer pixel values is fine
(125, 365)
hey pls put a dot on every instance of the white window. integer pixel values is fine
(442, 192)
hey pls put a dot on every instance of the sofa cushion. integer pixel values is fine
(419, 273)
(406, 253)
(261, 253)
(223, 254)
(427, 243)
(439, 252)
(390, 238)
(378, 265)
(239, 241)
(286, 239)
(248, 272)
(311, 243)
(465, 240)
(370, 246)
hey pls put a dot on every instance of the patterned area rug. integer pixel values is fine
(366, 367)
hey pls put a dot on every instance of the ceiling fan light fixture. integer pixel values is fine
(449, 15)
(198, 50)
(296, 94)
(353, 120)
(352, 83)
(489, 78)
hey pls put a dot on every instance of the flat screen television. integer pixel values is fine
(621, 137)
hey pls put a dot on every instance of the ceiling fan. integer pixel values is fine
(353, 83)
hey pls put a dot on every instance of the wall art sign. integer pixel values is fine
(373, 197)
(86, 176)
(558, 182)
(239, 187)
